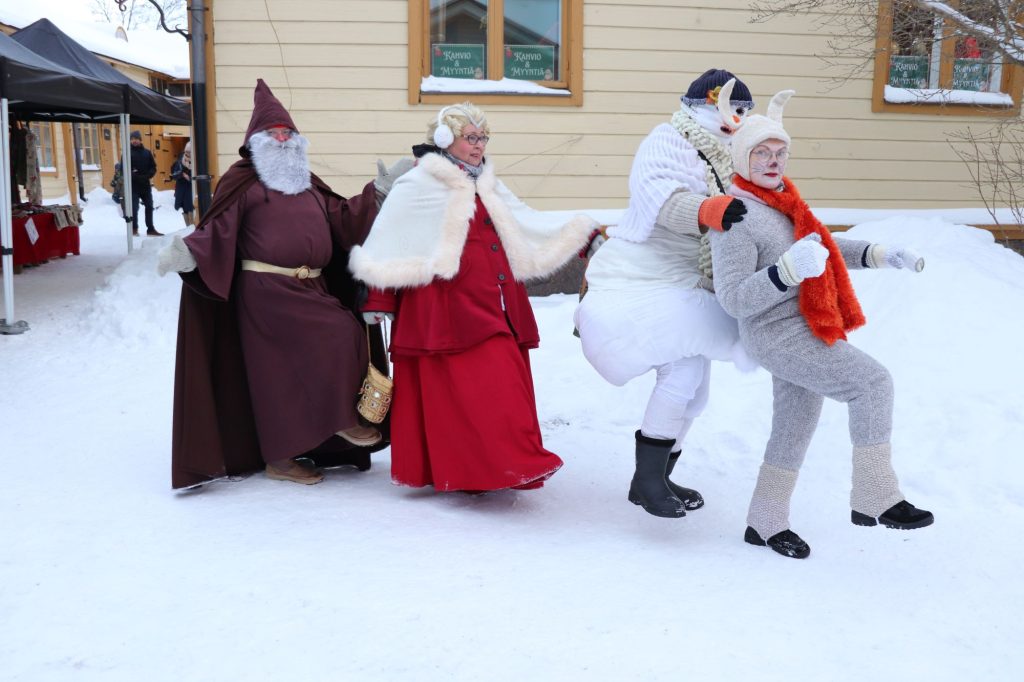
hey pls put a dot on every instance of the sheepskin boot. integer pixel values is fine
(648, 487)
(691, 498)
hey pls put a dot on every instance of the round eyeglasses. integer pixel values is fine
(762, 154)
(476, 139)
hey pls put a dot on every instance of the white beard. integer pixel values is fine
(281, 166)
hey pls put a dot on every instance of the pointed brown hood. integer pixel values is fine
(267, 112)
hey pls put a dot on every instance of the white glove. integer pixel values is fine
(804, 259)
(894, 257)
(376, 317)
(595, 244)
(175, 257)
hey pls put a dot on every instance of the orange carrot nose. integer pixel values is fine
(736, 119)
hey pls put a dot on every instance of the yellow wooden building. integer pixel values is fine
(358, 78)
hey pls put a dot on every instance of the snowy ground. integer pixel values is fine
(105, 574)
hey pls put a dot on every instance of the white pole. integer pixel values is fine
(7, 324)
(127, 205)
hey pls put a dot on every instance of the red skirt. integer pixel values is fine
(468, 420)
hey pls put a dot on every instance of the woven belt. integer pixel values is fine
(301, 272)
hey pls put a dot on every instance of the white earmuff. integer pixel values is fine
(443, 135)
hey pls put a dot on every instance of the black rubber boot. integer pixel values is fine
(787, 543)
(648, 488)
(690, 497)
(902, 515)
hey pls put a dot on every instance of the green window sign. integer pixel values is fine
(908, 71)
(971, 74)
(530, 62)
(457, 60)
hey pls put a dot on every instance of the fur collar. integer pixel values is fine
(422, 227)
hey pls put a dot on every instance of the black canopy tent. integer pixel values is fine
(35, 88)
(62, 71)
(143, 104)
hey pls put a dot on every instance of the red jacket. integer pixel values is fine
(449, 316)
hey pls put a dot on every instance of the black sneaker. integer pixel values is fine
(787, 543)
(902, 515)
(154, 233)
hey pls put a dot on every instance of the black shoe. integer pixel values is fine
(787, 543)
(154, 233)
(135, 233)
(691, 498)
(648, 487)
(902, 515)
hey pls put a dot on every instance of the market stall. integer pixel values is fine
(70, 84)
(35, 89)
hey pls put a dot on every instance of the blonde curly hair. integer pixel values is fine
(457, 117)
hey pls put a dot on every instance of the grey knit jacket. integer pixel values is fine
(742, 258)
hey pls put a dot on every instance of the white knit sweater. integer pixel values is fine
(665, 163)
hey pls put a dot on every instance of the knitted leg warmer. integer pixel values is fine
(769, 506)
(875, 487)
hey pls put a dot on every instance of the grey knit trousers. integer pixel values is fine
(805, 371)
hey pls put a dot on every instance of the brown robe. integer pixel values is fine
(268, 366)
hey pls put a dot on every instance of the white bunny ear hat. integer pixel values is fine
(756, 129)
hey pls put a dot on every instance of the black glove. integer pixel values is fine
(721, 212)
(733, 214)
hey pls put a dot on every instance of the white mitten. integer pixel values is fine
(894, 257)
(175, 257)
(376, 317)
(386, 176)
(804, 259)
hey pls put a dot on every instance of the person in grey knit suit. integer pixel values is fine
(785, 279)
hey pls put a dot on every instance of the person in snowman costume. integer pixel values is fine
(649, 303)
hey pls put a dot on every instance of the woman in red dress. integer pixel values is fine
(447, 257)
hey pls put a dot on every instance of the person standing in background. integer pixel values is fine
(181, 171)
(143, 170)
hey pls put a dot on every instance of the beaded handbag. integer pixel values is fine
(376, 391)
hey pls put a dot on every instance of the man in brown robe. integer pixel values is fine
(270, 355)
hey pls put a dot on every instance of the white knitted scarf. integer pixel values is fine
(720, 161)
(709, 145)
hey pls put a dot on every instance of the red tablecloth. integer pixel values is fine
(52, 242)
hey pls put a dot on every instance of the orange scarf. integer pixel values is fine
(828, 302)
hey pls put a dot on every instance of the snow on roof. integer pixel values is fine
(152, 49)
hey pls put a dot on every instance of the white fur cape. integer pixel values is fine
(422, 227)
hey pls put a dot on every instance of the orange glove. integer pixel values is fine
(721, 212)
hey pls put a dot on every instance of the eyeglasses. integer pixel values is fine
(476, 139)
(762, 154)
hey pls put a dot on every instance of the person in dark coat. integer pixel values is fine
(181, 172)
(143, 170)
(269, 359)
